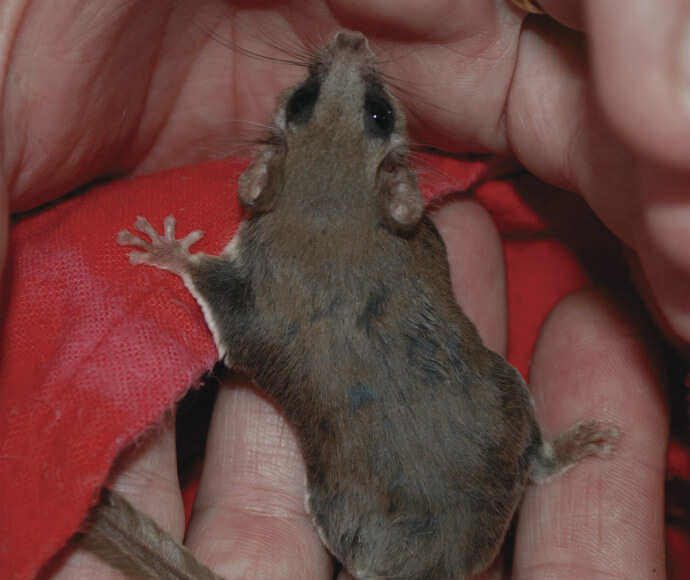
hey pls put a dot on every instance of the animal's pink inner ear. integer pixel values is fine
(401, 201)
(256, 186)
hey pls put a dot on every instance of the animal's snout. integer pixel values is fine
(351, 40)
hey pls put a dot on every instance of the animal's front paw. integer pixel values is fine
(163, 251)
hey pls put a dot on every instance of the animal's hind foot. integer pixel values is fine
(587, 438)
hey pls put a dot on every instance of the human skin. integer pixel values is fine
(475, 77)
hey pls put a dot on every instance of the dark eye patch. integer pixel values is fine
(379, 118)
(300, 106)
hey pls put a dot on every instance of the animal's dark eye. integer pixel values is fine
(301, 104)
(379, 118)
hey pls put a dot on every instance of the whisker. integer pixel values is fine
(313, 43)
(292, 58)
(301, 54)
(390, 80)
(401, 56)
(429, 173)
(394, 84)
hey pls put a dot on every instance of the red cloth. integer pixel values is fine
(94, 351)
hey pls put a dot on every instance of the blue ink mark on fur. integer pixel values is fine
(362, 395)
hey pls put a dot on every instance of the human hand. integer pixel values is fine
(160, 116)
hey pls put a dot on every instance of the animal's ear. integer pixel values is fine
(400, 200)
(257, 185)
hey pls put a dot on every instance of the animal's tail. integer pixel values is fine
(135, 545)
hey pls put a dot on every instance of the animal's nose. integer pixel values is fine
(350, 39)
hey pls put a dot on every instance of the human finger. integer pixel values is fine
(640, 58)
(249, 517)
(663, 248)
(604, 517)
